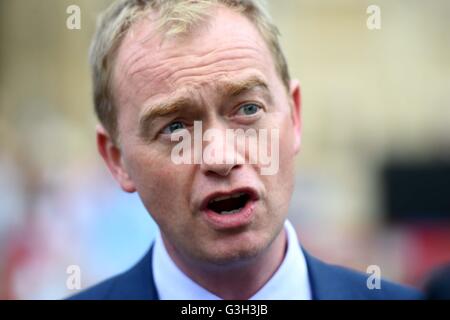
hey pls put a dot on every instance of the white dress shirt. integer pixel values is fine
(289, 282)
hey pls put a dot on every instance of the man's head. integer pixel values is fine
(158, 67)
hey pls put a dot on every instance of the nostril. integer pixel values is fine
(220, 169)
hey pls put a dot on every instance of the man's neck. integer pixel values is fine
(239, 281)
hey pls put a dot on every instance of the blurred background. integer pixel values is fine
(373, 176)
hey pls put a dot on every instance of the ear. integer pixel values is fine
(112, 156)
(296, 104)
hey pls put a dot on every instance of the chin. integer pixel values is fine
(237, 251)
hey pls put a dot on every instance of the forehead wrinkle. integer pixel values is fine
(202, 80)
(204, 58)
(193, 74)
(130, 60)
(219, 65)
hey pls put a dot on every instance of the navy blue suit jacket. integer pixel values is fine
(327, 282)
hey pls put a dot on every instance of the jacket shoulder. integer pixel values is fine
(101, 291)
(336, 282)
(134, 284)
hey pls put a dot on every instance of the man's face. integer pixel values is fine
(201, 75)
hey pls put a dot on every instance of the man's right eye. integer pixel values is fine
(174, 126)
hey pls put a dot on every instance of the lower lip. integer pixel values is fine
(231, 221)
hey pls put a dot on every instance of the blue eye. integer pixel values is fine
(248, 109)
(174, 126)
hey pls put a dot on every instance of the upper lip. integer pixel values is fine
(250, 191)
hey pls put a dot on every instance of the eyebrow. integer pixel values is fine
(236, 88)
(176, 104)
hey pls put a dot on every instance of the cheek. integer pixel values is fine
(287, 159)
(160, 183)
(285, 177)
(282, 122)
(280, 185)
(287, 138)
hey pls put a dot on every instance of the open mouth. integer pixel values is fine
(230, 204)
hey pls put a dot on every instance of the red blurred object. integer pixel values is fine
(431, 248)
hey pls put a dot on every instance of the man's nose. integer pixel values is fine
(220, 155)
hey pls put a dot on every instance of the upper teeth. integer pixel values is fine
(237, 195)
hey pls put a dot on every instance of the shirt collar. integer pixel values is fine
(289, 282)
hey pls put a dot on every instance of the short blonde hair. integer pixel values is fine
(174, 17)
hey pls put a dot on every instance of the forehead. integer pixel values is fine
(225, 46)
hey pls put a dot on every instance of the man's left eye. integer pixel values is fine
(248, 109)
